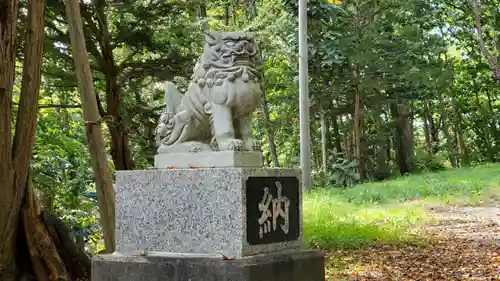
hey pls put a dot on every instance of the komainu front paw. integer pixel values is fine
(230, 144)
(252, 144)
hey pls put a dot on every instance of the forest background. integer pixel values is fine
(396, 88)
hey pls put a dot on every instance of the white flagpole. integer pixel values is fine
(305, 141)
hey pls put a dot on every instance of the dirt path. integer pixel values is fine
(479, 224)
(464, 244)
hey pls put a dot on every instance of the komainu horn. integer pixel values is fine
(216, 111)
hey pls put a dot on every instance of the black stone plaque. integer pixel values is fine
(268, 220)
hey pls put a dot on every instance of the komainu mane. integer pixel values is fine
(216, 111)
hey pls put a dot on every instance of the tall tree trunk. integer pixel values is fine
(446, 130)
(96, 146)
(250, 9)
(270, 135)
(427, 130)
(335, 127)
(482, 130)
(427, 134)
(383, 169)
(267, 126)
(336, 134)
(324, 152)
(403, 138)
(358, 152)
(433, 129)
(493, 120)
(120, 148)
(492, 59)
(9, 218)
(464, 151)
(9, 206)
(22, 208)
(226, 15)
(233, 11)
(202, 14)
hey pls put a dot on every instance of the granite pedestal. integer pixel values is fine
(209, 224)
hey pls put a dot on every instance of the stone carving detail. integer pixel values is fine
(216, 111)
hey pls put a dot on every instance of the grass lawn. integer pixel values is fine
(385, 212)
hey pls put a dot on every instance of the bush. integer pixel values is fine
(428, 162)
(342, 173)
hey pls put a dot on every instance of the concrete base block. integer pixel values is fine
(292, 265)
(212, 159)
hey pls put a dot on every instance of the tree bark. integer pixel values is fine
(336, 132)
(226, 15)
(357, 136)
(120, 148)
(96, 146)
(233, 11)
(324, 151)
(493, 120)
(482, 130)
(250, 8)
(403, 138)
(32, 237)
(14, 158)
(270, 135)
(269, 132)
(460, 132)
(358, 153)
(427, 134)
(433, 129)
(383, 169)
(476, 9)
(446, 130)
(202, 14)
(47, 264)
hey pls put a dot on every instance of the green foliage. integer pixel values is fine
(342, 173)
(429, 186)
(429, 162)
(386, 212)
(427, 100)
(60, 163)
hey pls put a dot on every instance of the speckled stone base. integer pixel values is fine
(190, 211)
(295, 265)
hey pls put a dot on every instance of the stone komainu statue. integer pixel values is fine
(216, 111)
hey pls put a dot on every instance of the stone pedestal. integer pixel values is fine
(294, 265)
(210, 159)
(209, 224)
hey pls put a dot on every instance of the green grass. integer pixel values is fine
(385, 212)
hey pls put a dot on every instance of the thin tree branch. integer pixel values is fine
(492, 59)
(50, 105)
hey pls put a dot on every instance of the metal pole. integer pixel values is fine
(305, 147)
